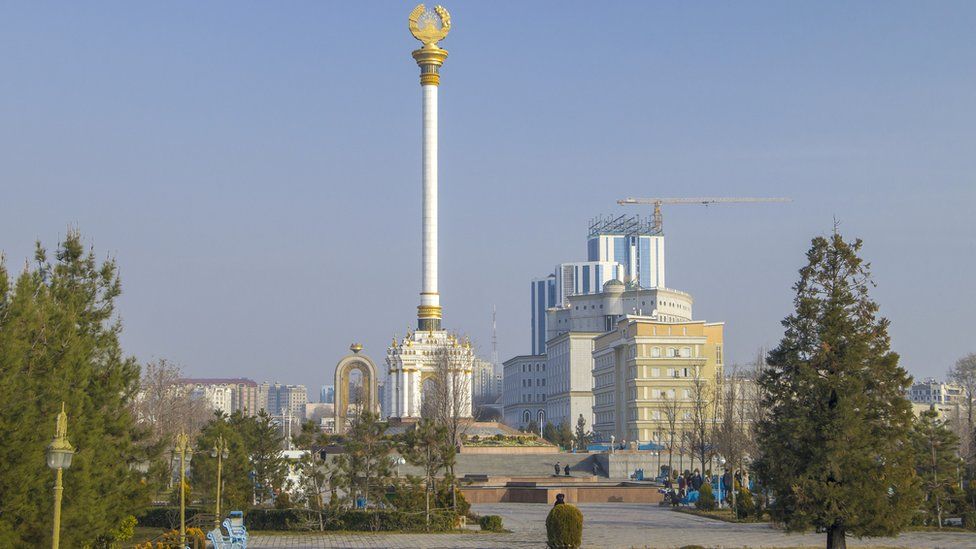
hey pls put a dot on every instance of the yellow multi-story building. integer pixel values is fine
(645, 368)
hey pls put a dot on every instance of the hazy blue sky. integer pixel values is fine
(255, 166)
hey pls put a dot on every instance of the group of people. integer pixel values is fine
(685, 482)
(565, 469)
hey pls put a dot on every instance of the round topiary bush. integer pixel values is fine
(491, 523)
(706, 500)
(564, 527)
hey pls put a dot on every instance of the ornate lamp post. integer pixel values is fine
(59, 454)
(186, 454)
(219, 451)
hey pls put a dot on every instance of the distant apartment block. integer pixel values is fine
(525, 390)
(285, 400)
(228, 395)
(930, 391)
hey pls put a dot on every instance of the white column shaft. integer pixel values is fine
(429, 286)
(416, 400)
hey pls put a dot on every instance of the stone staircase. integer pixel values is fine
(516, 465)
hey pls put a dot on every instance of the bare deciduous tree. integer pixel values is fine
(671, 409)
(447, 398)
(732, 432)
(165, 406)
(702, 400)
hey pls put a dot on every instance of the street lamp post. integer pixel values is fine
(186, 454)
(219, 451)
(59, 454)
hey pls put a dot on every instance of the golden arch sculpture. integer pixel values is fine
(369, 399)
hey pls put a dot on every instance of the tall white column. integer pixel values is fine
(429, 58)
(404, 394)
(428, 295)
(416, 400)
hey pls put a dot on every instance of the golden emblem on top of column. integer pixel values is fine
(429, 26)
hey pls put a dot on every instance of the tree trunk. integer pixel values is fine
(427, 503)
(836, 538)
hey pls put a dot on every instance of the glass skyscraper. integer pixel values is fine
(625, 248)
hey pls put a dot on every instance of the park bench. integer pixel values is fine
(236, 537)
(220, 541)
(235, 528)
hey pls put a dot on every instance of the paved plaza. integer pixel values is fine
(609, 525)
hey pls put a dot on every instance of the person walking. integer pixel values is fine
(556, 467)
(566, 469)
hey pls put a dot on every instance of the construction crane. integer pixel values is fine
(704, 201)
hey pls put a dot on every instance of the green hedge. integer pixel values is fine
(363, 521)
(491, 523)
(302, 519)
(164, 517)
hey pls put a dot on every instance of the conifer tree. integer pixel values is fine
(236, 489)
(428, 445)
(937, 464)
(834, 449)
(263, 444)
(365, 469)
(59, 342)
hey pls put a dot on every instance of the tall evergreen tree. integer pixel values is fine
(236, 489)
(835, 449)
(365, 469)
(263, 444)
(59, 342)
(428, 445)
(937, 464)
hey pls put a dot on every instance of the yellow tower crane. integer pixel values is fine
(704, 201)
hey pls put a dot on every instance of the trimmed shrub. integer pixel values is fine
(164, 517)
(743, 504)
(564, 527)
(352, 520)
(279, 519)
(969, 520)
(195, 538)
(706, 500)
(491, 523)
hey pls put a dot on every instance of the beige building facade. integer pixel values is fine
(645, 363)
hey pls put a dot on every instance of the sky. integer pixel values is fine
(254, 167)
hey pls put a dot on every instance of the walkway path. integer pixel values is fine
(609, 525)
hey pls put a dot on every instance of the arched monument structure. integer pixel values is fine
(370, 398)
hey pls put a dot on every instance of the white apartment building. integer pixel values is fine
(219, 397)
(600, 312)
(569, 378)
(930, 391)
(525, 390)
